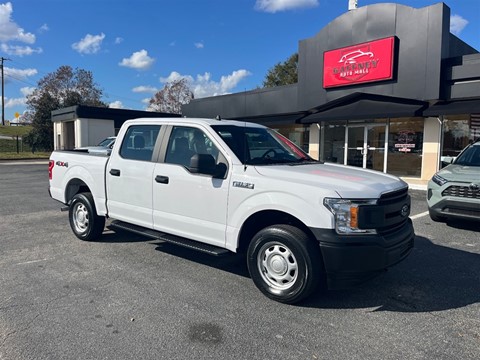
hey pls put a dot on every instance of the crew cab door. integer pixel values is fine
(129, 175)
(186, 202)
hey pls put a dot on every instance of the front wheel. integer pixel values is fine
(84, 221)
(284, 263)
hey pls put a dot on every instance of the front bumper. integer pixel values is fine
(453, 201)
(350, 260)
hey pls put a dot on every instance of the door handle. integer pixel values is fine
(161, 179)
(114, 172)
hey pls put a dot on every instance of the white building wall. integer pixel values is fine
(89, 132)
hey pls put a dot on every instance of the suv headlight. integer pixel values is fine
(440, 181)
(346, 215)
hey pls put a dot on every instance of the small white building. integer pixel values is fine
(78, 126)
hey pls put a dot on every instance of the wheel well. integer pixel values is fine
(74, 187)
(263, 219)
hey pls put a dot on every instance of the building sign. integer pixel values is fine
(367, 62)
(405, 141)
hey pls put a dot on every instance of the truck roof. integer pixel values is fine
(202, 121)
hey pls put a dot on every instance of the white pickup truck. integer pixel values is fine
(221, 186)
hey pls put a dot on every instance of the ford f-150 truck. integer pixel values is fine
(222, 186)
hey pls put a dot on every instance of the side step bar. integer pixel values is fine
(191, 244)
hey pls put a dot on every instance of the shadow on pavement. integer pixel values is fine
(432, 278)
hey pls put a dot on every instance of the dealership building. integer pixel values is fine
(385, 87)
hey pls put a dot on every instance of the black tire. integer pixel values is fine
(84, 221)
(284, 263)
(436, 218)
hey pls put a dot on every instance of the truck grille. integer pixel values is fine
(388, 215)
(461, 192)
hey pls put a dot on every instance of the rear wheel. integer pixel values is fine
(284, 263)
(84, 221)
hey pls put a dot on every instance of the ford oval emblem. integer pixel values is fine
(404, 211)
(473, 187)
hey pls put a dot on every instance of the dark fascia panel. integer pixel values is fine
(274, 119)
(360, 106)
(454, 107)
(93, 112)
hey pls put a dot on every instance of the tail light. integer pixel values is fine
(51, 164)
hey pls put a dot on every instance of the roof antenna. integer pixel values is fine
(218, 118)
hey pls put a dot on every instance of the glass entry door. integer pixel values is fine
(366, 146)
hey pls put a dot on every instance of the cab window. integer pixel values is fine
(139, 142)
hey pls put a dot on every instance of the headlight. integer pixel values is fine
(440, 181)
(346, 215)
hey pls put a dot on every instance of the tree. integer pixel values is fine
(62, 88)
(283, 73)
(171, 98)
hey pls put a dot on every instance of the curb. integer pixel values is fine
(24, 162)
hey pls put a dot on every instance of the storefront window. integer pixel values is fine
(405, 147)
(458, 132)
(299, 134)
(333, 143)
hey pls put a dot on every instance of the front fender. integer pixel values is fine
(310, 211)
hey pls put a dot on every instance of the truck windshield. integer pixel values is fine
(261, 146)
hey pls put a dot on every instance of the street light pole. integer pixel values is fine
(3, 90)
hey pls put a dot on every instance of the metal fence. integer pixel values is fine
(14, 144)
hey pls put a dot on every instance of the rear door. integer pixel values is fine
(192, 205)
(129, 175)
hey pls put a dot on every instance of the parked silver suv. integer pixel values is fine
(454, 191)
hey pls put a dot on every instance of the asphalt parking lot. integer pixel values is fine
(128, 297)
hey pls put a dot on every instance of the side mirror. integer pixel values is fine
(205, 164)
(202, 164)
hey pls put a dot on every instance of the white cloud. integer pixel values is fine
(457, 24)
(273, 6)
(18, 74)
(199, 45)
(144, 89)
(27, 91)
(203, 85)
(139, 60)
(43, 28)
(9, 30)
(118, 40)
(19, 50)
(116, 105)
(146, 101)
(10, 103)
(90, 44)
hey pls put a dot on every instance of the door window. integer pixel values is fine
(185, 142)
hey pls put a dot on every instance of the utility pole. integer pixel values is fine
(3, 90)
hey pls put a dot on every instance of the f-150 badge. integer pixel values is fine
(242, 184)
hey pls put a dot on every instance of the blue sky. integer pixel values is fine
(133, 47)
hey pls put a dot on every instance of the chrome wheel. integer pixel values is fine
(277, 265)
(81, 218)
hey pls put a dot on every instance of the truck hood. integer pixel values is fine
(346, 181)
(461, 173)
